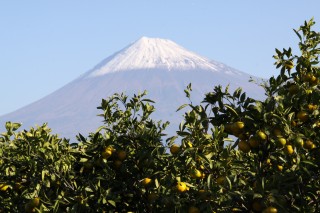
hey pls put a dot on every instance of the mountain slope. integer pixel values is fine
(157, 65)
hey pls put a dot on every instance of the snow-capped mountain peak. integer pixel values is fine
(152, 53)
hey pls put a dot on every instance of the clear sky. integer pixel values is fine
(46, 44)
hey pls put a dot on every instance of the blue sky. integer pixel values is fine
(46, 44)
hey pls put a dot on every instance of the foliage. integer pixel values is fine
(231, 153)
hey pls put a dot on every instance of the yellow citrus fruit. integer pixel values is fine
(261, 135)
(146, 181)
(289, 149)
(122, 155)
(237, 127)
(106, 153)
(35, 202)
(203, 175)
(253, 142)
(298, 142)
(32, 204)
(174, 149)
(280, 168)
(181, 187)
(244, 146)
(303, 116)
(281, 142)
(193, 209)
(313, 80)
(308, 144)
(270, 209)
(195, 173)
(202, 167)
(268, 162)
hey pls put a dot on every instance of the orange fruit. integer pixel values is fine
(193, 209)
(237, 127)
(146, 181)
(303, 116)
(308, 144)
(122, 155)
(270, 209)
(195, 173)
(253, 142)
(281, 142)
(268, 162)
(257, 205)
(174, 149)
(289, 149)
(106, 153)
(261, 135)
(280, 168)
(228, 128)
(35, 202)
(181, 187)
(298, 142)
(313, 80)
(244, 146)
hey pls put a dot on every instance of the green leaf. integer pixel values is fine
(82, 160)
(111, 202)
(181, 107)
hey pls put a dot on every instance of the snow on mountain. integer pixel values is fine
(151, 53)
(159, 66)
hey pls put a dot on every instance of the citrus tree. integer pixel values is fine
(36, 170)
(120, 166)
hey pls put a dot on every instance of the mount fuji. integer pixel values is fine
(160, 66)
